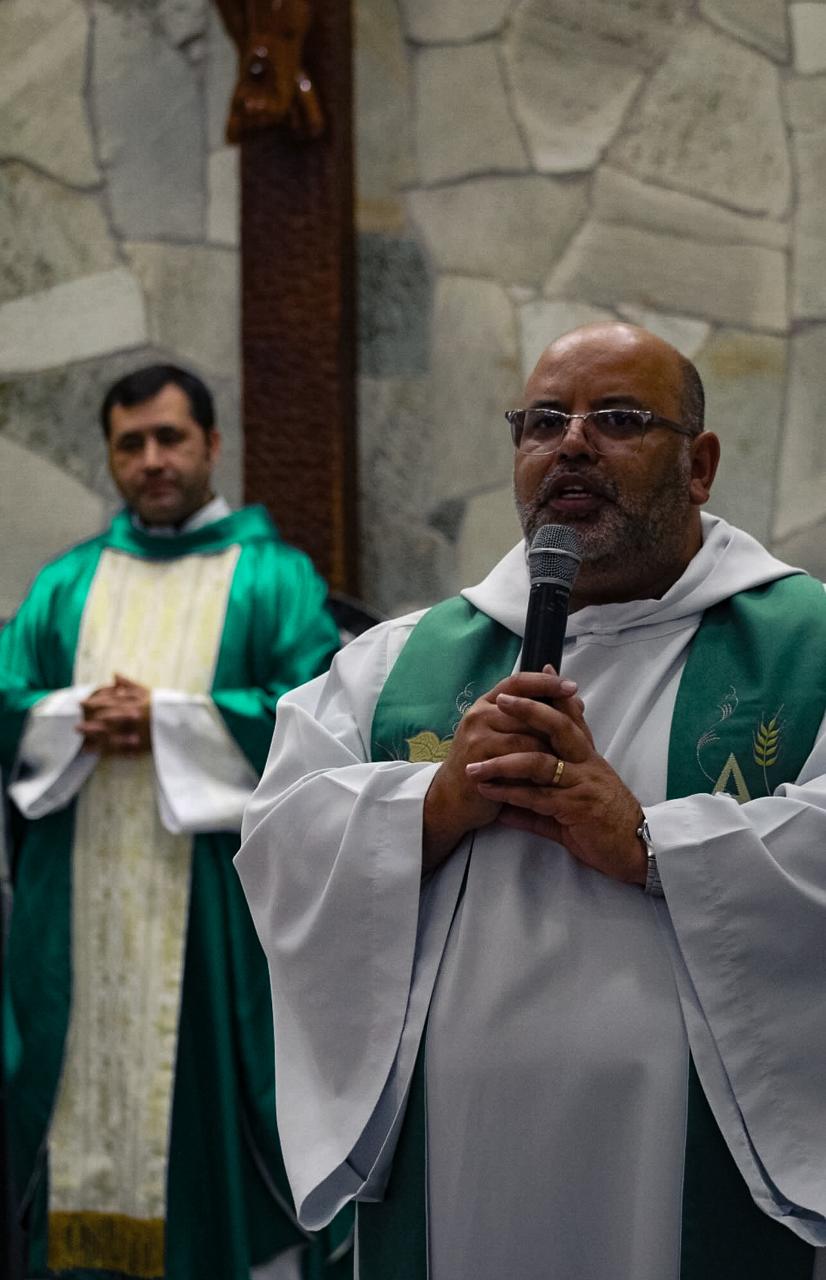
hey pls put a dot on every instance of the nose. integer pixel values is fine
(152, 454)
(576, 442)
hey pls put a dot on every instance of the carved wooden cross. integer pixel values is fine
(292, 116)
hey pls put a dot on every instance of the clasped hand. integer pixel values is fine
(116, 719)
(502, 767)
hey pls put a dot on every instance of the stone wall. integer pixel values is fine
(523, 165)
(118, 244)
(527, 165)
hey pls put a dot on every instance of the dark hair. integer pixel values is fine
(692, 397)
(143, 384)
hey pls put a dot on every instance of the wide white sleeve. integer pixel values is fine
(50, 767)
(331, 866)
(203, 778)
(745, 915)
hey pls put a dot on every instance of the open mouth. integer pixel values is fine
(575, 495)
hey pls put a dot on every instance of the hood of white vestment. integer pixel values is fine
(730, 560)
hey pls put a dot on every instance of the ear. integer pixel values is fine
(705, 456)
(214, 445)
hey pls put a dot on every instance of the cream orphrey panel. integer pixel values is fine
(160, 623)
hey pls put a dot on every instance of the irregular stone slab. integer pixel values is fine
(806, 102)
(464, 85)
(638, 34)
(396, 461)
(809, 36)
(438, 21)
(801, 490)
(619, 198)
(806, 549)
(737, 284)
(73, 321)
(394, 307)
(193, 298)
(809, 269)
(489, 529)
(384, 112)
(687, 335)
(541, 323)
(150, 129)
(42, 73)
(509, 229)
(48, 233)
(224, 206)
(759, 22)
(45, 511)
(710, 121)
(182, 20)
(220, 74)
(745, 377)
(476, 377)
(552, 77)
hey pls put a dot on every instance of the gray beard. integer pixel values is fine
(642, 535)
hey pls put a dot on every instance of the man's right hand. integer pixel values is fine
(116, 719)
(453, 805)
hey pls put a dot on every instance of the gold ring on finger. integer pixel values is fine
(557, 778)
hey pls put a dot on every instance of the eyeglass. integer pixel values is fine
(607, 430)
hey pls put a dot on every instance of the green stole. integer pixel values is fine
(744, 653)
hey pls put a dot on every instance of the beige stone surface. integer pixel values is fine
(220, 74)
(476, 377)
(809, 36)
(806, 549)
(686, 334)
(745, 376)
(489, 529)
(759, 22)
(542, 322)
(385, 160)
(182, 20)
(42, 71)
(801, 487)
(438, 21)
(73, 321)
(463, 122)
(710, 123)
(508, 229)
(809, 266)
(67, 512)
(193, 300)
(637, 34)
(806, 102)
(49, 233)
(617, 197)
(150, 128)
(736, 284)
(552, 76)
(224, 197)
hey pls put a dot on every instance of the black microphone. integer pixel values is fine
(553, 559)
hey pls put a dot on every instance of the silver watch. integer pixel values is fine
(653, 884)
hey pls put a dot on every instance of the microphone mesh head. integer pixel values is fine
(555, 554)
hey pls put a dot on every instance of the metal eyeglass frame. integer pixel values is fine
(516, 419)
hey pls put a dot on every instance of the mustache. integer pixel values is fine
(599, 485)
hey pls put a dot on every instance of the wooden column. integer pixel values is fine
(298, 272)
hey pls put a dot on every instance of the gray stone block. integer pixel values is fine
(508, 229)
(686, 334)
(383, 106)
(801, 485)
(183, 20)
(809, 36)
(806, 550)
(394, 307)
(710, 123)
(745, 378)
(150, 128)
(490, 528)
(192, 294)
(224, 207)
(438, 21)
(42, 74)
(463, 122)
(806, 102)
(809, 268)
(736, 284)
(476, 377)
(220, 74)
(541, 323)
(48, 233)
(758, 22)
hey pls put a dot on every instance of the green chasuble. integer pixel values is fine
(741, 643)
(245, 616)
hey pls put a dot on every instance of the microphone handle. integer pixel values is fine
(545, 624)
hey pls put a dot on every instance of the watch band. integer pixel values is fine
(653, 884)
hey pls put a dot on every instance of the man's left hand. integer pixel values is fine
(116, 719)
(585, 806)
